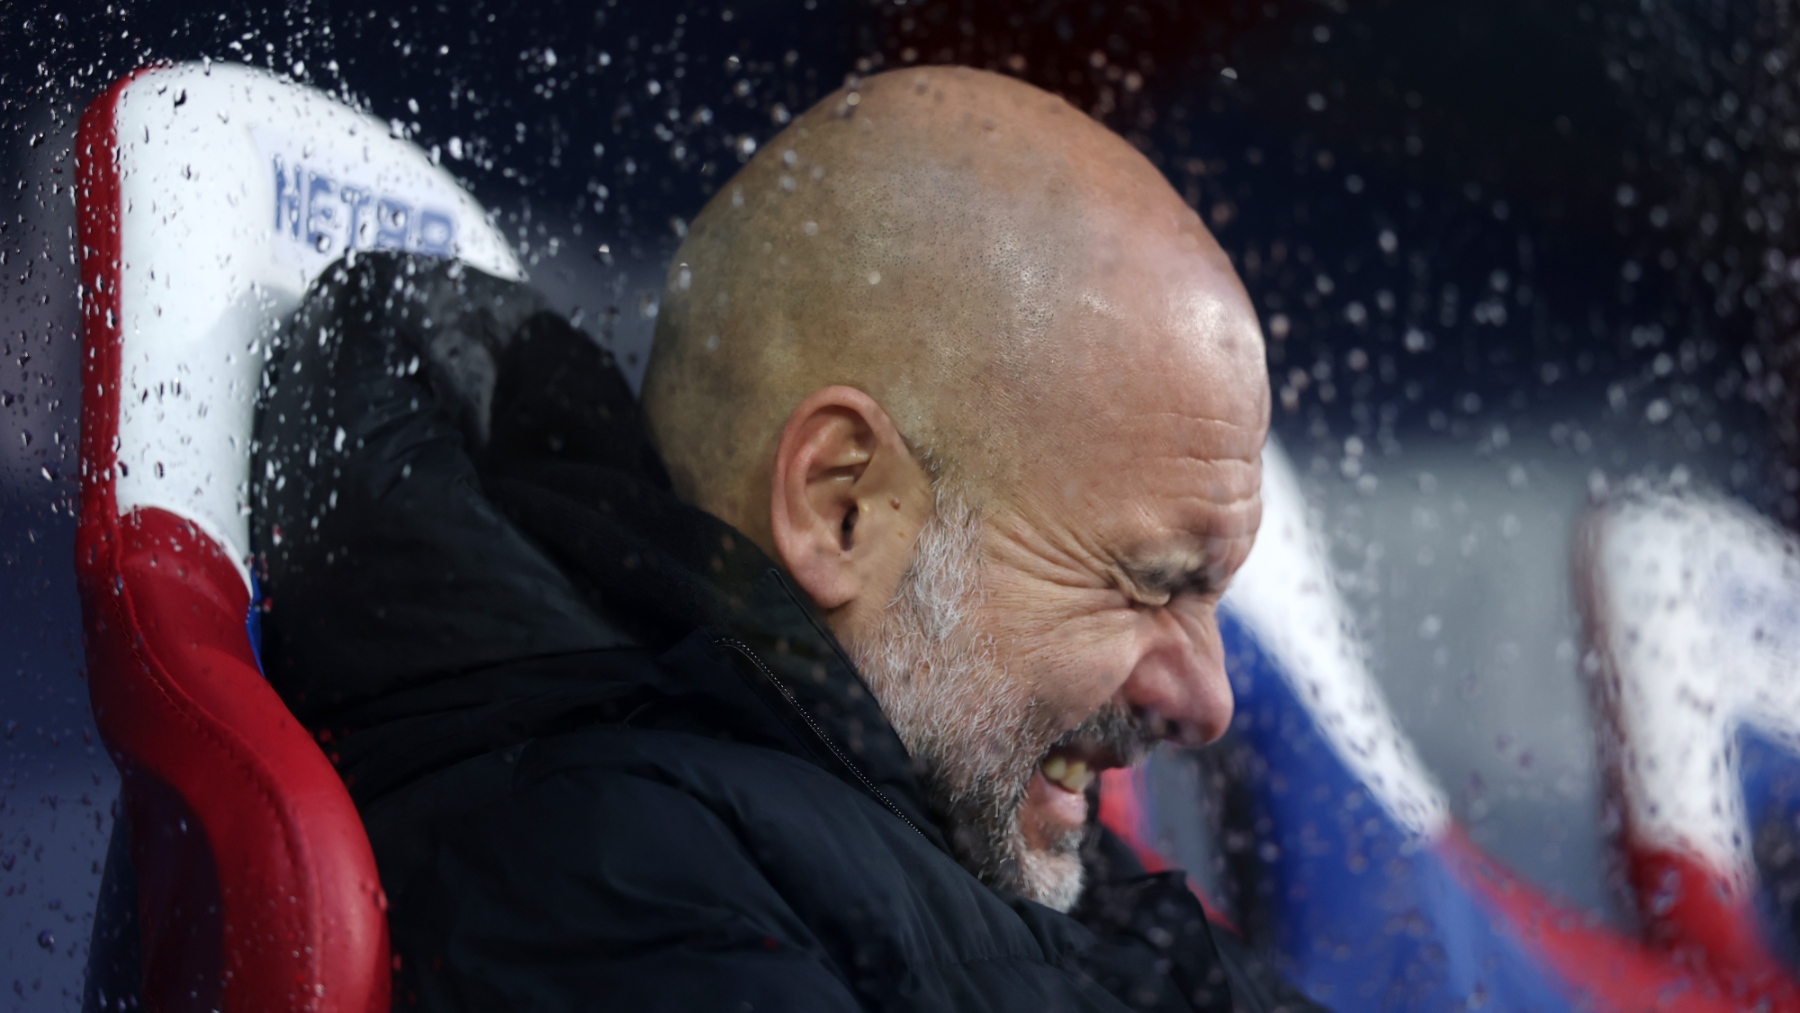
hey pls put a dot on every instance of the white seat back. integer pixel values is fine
(236, 190)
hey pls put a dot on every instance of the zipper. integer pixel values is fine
(787, 694)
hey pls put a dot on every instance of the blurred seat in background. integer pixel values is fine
(1338, 852)
(1691, 605)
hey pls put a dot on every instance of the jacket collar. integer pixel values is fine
(780, 637)
(722, 618)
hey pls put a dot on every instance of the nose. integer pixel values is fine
(1178, 682)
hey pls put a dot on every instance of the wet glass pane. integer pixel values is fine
(1516, 264)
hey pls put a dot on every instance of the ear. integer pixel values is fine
(847, 498)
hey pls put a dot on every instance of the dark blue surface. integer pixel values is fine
(253, 621)
(1770, 774)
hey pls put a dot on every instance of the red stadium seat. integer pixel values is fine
(210, 197)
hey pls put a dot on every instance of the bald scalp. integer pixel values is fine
(914, 237)
(908, 238)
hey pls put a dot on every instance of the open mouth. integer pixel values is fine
(1113, 737)
(1073, 768)
(1056, 798)
(1057, 794)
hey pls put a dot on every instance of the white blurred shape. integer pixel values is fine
(1286, 596)
(1692, 609)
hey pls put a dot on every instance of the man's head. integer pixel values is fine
(966, 365)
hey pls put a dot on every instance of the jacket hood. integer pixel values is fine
(469, 541)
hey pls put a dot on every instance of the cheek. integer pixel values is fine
(1074, 649)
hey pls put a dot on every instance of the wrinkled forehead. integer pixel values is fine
(1152, 438)
(1158, 338)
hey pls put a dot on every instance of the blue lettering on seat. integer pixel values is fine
(331, 216)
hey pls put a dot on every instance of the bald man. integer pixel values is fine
(789, 692)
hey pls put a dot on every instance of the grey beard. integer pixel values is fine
(975, 733)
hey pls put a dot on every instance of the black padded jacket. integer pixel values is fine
(609, 758)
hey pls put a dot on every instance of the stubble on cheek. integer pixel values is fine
(974, 730)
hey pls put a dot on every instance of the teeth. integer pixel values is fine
(1071, 775)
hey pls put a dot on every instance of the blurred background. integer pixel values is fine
(1508, 256)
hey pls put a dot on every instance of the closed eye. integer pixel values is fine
(1146, 600)
(1157, 586)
